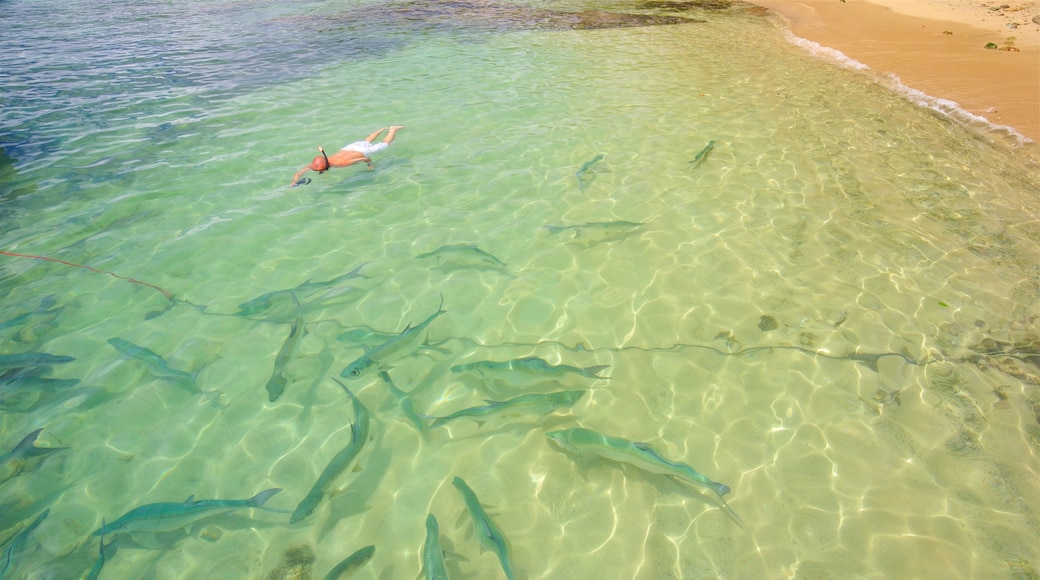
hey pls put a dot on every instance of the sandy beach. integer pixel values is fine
(938, 47)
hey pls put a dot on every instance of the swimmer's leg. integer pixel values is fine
(373, 136)
(391, 133)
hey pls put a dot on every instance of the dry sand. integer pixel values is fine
(938, 47)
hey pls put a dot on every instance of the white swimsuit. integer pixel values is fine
(365, 148)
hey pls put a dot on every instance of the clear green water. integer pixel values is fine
(834, 313)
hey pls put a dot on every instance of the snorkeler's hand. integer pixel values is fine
(303, 181)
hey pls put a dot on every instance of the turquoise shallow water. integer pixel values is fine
(833, 312)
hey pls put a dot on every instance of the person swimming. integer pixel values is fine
(356, 152)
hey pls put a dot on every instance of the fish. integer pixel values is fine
(28, 378)
(105, 553)
(539, 404)
(586, 442)
(458, 256)
(46, 303)
(155, 364)
(584, 178)
(278, 381)
(702, 155)
(404, 401)
(32, 359)
(432, 554)
(359, 434)
(351, 563)
(13, 462)
(531, 365)
(397, 347)
(272, 300)
(162, 517)
(592, 233)
(487, 532)
(364, 336)
(159, 368)
(17, 546)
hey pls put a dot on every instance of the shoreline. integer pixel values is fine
(937, 47)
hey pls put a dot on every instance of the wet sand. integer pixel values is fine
(938, 47)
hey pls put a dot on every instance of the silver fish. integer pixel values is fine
(432, 554)
(273, 300)
(359, 433)
(586, 442)
(530, 365)
(159, 369)
(583, 175)
(459, 256)
(538, 404)
(397, 347)
(14, 461)
(351, 563)
(171, 516)
(592, 233)
(18, 545)
(105, 553)
(697, 159)
(278, 381)
(404, 401)
(155, 364)
(487, 532)
(32, 359)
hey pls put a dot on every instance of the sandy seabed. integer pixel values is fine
(938, 47)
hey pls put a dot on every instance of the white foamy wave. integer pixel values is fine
(947, 107)
(824, 52)
(890, 81)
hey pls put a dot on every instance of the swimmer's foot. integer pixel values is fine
(395, 127)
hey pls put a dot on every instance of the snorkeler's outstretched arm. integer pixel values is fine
(298, 174)
(365, 160)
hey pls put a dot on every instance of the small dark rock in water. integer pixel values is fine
(980, 323)
(599, 19)
(767, 323)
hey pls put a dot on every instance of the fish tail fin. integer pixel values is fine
(356, 272)
(594, 371)
(554, 229)
(27, 443)
(27, 446)
(348, 391)
(261, 498)
(108, 551)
